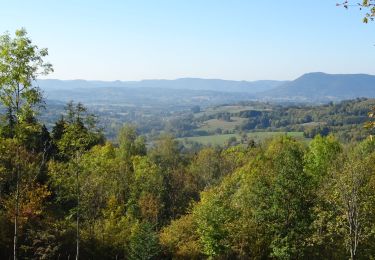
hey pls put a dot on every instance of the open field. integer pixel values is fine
(230, 109)
(221, 139)
(213, 124)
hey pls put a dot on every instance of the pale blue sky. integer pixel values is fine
(227, 39)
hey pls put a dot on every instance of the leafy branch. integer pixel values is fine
(368, 5)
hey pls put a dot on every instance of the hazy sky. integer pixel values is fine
(227, 39)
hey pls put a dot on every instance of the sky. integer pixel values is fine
(169, 39)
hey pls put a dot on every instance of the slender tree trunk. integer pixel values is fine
(77, 220)
(16, 206)
(16, 214)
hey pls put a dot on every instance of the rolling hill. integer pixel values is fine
(323, 87)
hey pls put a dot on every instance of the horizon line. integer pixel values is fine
(202, 78)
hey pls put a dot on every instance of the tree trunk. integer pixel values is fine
(16, 221)
(77, 220)
(16, 206)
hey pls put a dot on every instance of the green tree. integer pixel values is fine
(130, 143)
(282, 198)
(76, 133)
(146, 191)
(21, 63)
(351, 196)
(206, 167)
(180, 238)
(322, 152)
(213, 215)
(321, 156)
(32, 194)
(167, 156)
(144, 242)
(166, 152)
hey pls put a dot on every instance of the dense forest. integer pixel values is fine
(70, 193)
(281, 199)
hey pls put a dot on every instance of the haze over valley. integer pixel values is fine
(312, 87)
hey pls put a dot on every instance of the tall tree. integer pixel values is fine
(21, 62)
(282, 198)
(76, 133)
(353, 198)
(79, 135)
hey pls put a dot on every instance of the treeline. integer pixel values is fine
(344, 119)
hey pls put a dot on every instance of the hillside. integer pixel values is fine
(322, 87)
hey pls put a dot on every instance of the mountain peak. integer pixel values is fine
(319, 86)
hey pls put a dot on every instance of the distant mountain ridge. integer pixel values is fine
(319, 86)
(218, 85)
(311, 87)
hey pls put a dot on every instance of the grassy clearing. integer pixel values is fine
(221, 139)
(213, 124)
(228, 109)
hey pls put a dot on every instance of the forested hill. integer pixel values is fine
(324, 87)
